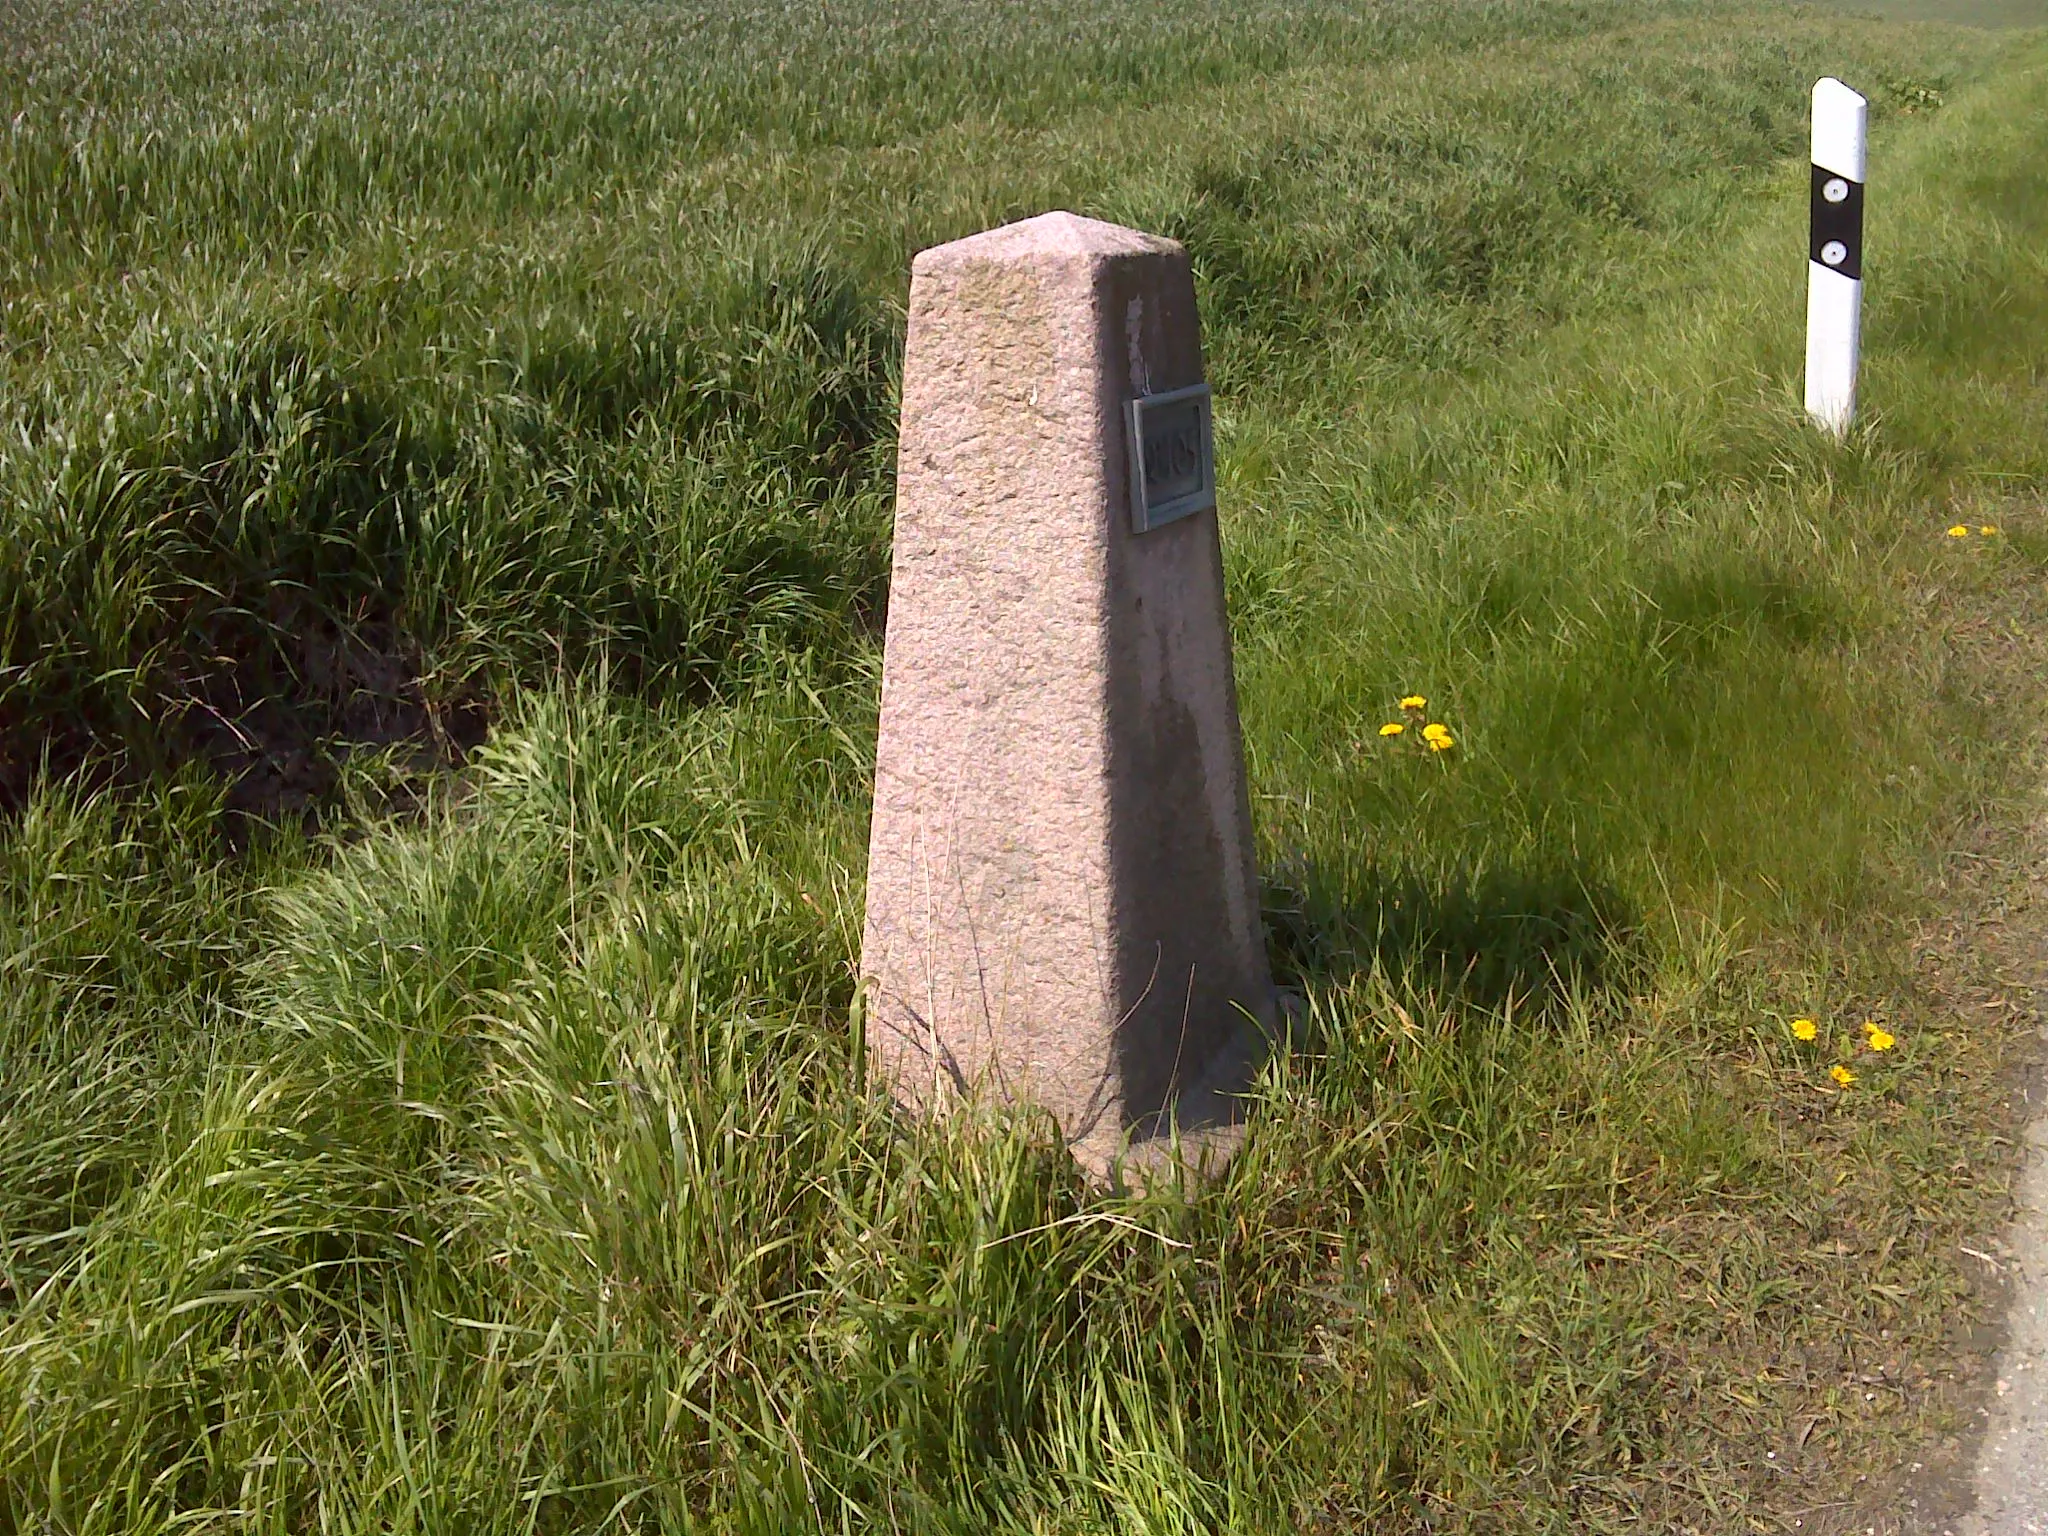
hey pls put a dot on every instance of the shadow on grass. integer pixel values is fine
(1479, 936)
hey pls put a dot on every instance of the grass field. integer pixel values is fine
(445, 464)
(1971, 13)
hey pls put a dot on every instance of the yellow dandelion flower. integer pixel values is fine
(1392, 728)
(1804, 1029)
(1960, 531)
(1841, 1074)
(1989, 530)
(1877, 1036)
(1415, 701)
(1441, 743)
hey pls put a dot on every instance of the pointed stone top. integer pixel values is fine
(1055, 237)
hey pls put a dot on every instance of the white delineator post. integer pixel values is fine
(1834, 269)
(1062, 900)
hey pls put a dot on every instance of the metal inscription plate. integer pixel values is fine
(1173, 457)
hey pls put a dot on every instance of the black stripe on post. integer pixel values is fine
(1835, 223)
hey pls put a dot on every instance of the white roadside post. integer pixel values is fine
(1834, 269)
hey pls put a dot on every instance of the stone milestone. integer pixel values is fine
(1062, 903)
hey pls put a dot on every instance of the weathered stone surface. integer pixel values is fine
(1062, 899)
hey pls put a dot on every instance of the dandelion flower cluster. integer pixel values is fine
(1875, 1038)
(1984, 531)
(1434, 735)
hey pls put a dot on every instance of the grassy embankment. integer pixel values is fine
(493, 1156)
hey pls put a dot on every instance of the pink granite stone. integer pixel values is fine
(1062, 902)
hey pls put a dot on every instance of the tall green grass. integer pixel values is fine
(489, 1149)
(378, 441)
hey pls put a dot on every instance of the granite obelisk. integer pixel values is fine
(1063, 900)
